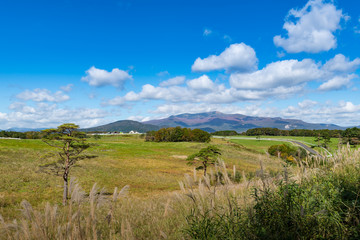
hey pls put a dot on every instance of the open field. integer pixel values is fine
(262, 145)
(157, 208)
(149, 168)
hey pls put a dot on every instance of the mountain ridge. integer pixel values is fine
(218, 121)
(207, 121)
(123, 126)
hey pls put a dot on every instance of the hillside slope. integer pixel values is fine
(123, 126)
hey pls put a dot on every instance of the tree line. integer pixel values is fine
(293, 132)
(178, 134)
(22, 135)
(350, 135)
(225, 133)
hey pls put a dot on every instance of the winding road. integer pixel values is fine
(300, 144)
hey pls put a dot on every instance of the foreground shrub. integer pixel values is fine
(322, 203)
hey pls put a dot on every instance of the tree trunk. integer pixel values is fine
(65, 195)
(66, 173)
(205, 169)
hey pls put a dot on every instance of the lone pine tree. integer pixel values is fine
(204, 158)
(70, 144)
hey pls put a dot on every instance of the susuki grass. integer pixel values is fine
(320, 202)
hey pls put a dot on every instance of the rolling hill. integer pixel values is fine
(123, 126)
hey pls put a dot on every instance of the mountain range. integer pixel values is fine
(211, 122)
(208, 121)
(15, 129)
(123, 126)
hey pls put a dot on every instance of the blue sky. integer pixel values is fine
(93, 62)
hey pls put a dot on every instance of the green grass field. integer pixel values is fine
(155, 207)
(149, 168)
(262, 145)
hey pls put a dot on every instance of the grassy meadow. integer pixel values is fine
(149, 168)
(262, 145)
(145, 190)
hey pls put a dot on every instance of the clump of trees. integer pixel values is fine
(351, 136)
(287, 152)
(178, 134)
(225, 133)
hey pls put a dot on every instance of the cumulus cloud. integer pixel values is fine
(344, 113)
(337, 83)
(238, 57)
(173, 81)
(42, 95)
(50, 115)
(99, 77)
(341, 64)
(277, 80)
(338, 73)
(203, 89)
(313, 30)
(281, 73)
(202, 83)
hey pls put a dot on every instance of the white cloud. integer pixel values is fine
(344, 113)
(42, 95)
(240, 57)
(337, 83)
(281, 73)
(338, 73)
(207, 32)
(98, 77)
(313, 30)
(307, 103)
(173, 81)
(277, 80)
(67, 88)
(202, 90)
(341, 64)
(202, 83)
(50, 115)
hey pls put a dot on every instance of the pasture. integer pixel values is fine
(149, 168)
